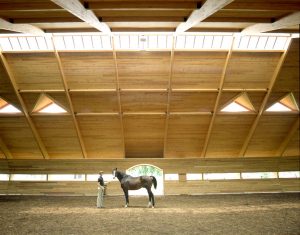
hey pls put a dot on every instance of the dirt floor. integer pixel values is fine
(204, 214)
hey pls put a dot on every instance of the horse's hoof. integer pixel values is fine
(125, 206)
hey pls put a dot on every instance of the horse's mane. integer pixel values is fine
(120, 174)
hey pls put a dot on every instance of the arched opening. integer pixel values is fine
(150, 170)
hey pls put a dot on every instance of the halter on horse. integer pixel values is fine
(134, 183)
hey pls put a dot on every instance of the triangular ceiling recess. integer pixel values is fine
(7, 108)
(241, 103)
(285, 104)
(46, 104)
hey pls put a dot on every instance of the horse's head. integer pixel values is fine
(114, 172)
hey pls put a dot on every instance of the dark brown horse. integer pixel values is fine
(134, 183)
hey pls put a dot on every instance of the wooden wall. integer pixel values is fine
(182, 167)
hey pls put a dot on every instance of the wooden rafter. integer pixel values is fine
(118, 94)
(25, 111)
(263, 105)
(67, 92)
(77, 9)
(208, 8)
(5, 150)
(169, 94)
(21, 28)
(220, 88)
(290, 20)
(287, 139)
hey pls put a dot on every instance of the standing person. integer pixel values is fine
(100, 190)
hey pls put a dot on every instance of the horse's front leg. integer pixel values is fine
(126, 197)
(151, 198)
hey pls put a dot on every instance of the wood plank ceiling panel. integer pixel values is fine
(30, 73)
(143, 70)
(186, 135)
(144, 135)
(144, 101)
(288, 78)
(270, 132)
(89, 70)
(245, 70)
(192, 101)
(59, 136)
(16, 134)
(197, 70)
(95, 102)
(102, 136)
(293, 148)
(228, 134)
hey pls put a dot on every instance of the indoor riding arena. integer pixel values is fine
(149, 117)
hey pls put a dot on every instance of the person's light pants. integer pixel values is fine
(100, 196)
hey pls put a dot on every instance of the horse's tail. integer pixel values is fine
(154, 181)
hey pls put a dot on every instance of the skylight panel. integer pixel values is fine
(180, 42)
(117, 43)
(87, 42)
(134, 42)
(78, 43)
(234, 108)
(124, 41)
(46, 104)
(69, 42)
(217, 42)
(153, 41)
(24, 43)
(161, 42)
(59, 43)
(226, 42)
(270, 43)
(5, 44)
(9, 109)
(278, 107)
(262, 41)
(106, 43)
(15, 44)
(199, 40)
(244, 42)
(208, 40)
(280, 43)
(189, 42)
(96, 41)
(169, 42)
(32, 43)
(42, 44)
(52, 108)
(253, 42)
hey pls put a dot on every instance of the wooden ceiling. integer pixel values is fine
(149, 104)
